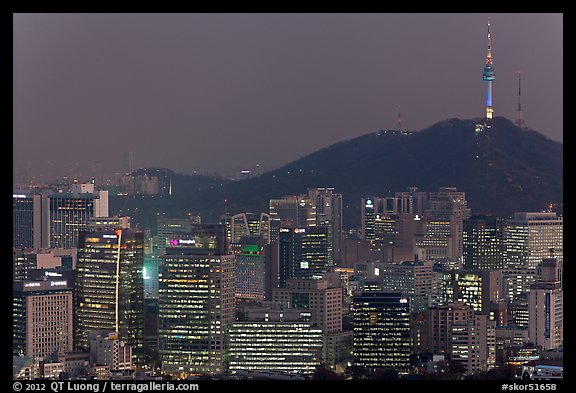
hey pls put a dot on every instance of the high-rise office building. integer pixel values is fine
(275, 338)
(196, 301)
(439, 322)
(545, 306)
(412, 201)
(368, 215)
(516, 282)
(70, 213)
(381, 330)
(302, 253)
(398, 211)
(324, 302)
(150, 268)
(329, 214)
(42, 317)
(252, 258)
(473, 343)
(249, 224)
(530, 237)
(479, 288)
(483, 243)
(26, 220)
(443, 225)
(414, 280)
(455, 330)
(110, 286)
(293, 211)
(169, 228)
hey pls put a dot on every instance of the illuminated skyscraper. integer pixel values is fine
(413, 279)
(479, 288)
(329, 214)
(303, 253)
(291, 211)
(246, 224)
(483, 243)
(68, 214)
(252, 257)
(196, 301)
(169, 228)
(110, 286)
(381, 331)
(443, 225)
(324, 303)
(529, 238)
(410, 201)
(368, 216)
(467, 338)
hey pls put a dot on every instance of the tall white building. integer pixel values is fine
(530, 237)
(413, 279)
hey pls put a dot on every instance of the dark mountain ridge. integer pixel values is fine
(502, 169)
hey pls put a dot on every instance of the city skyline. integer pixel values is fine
(261, 88)
(407, 223)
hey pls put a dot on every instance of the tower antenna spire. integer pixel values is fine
(520, 119)
(488, 76)
(399, 119)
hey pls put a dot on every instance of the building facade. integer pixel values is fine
(196, 302)
(42, 317)
(110, 287)
(275, 338)
(546, 306)
(381, 335)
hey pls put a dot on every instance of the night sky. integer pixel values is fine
(224, 92)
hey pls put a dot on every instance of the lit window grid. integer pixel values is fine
(275, 346)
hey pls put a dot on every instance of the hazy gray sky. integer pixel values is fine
(222, 92)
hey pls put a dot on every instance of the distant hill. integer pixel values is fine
(502, 169)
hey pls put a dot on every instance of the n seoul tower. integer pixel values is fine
(488, 76)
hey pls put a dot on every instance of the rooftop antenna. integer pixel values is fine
(399, 119)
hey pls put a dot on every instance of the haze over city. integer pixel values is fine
(224, 92)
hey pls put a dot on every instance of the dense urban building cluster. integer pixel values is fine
(423, 286)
